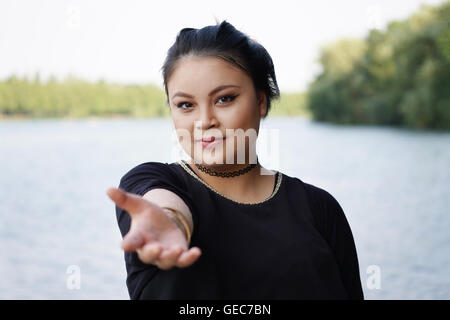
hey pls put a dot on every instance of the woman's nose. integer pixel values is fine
(207, 117)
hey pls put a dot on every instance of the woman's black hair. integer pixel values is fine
(225, 41)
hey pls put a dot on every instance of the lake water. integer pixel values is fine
(393, 184)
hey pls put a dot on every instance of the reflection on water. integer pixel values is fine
(393, 185)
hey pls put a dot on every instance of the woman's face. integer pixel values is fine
(210, 97)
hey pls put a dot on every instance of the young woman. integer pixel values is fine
(215, 227)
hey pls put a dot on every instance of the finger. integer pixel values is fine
(188, 257)
(168, 257)
(150, 253)
(132, 241)
(126, 200)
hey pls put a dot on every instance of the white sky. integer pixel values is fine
(126, 41)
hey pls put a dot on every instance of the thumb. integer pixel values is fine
(127, 201)
(132, 241)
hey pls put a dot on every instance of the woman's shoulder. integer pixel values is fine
(325, 209)
(151, 168)
(319, 198)
(151, 172)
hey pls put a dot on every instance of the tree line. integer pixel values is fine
(77, 98)
(399, 77)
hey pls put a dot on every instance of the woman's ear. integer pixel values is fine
(262, 103)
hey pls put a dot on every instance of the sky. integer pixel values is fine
(127, 41)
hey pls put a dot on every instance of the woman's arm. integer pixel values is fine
(332, 224)
(342, 243)
(167, 198)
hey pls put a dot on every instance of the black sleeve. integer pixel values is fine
(334, 227)
(139, 180)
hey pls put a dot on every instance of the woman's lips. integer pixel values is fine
(209, 143)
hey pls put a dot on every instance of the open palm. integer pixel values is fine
(153, 235)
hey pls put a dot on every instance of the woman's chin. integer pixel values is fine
(206, 159)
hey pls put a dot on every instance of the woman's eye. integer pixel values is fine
(227, 98)
(221, 100)
(181, 104)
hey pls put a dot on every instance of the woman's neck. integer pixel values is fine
(251, 186)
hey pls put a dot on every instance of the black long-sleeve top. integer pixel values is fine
(296, 244)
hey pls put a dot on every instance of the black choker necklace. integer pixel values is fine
(226, 174)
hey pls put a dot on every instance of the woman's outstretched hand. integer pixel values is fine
(156, 239)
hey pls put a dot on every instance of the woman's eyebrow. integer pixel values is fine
(219, 88)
